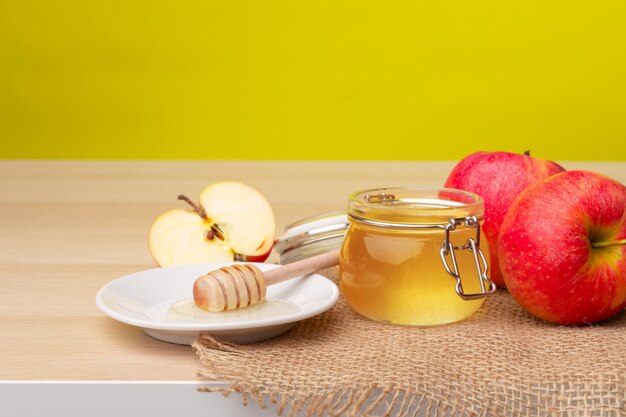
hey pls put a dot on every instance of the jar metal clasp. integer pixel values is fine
(473, 245)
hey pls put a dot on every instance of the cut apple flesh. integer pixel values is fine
(243, 214)
(233, 222)
(179, 237)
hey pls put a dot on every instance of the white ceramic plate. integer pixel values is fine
(160, 301)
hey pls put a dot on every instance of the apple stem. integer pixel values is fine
(596, 245)
(527, 153)
(195, 207)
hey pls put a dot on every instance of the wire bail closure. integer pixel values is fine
(473, 245)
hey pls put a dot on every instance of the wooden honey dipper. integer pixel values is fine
(243, 285)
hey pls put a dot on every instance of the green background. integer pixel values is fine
(320, 79)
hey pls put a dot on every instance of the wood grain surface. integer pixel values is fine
(69, 227)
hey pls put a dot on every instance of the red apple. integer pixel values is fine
(498, 177)
(562, 248)
(232, 222)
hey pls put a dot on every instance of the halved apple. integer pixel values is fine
(232, 222)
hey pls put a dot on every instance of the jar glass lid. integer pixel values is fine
(312, 236)
(414, 205)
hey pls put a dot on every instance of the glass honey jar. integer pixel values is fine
(415, 256)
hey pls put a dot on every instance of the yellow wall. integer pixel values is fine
(318, 79)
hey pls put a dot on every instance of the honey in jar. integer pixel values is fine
(415, 256)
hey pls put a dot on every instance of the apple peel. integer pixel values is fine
(562, 248)
(498, 177)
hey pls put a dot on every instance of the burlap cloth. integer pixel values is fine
(499, 362)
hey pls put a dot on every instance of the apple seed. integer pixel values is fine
(217, 231)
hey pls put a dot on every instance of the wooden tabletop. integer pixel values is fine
(69, 227)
